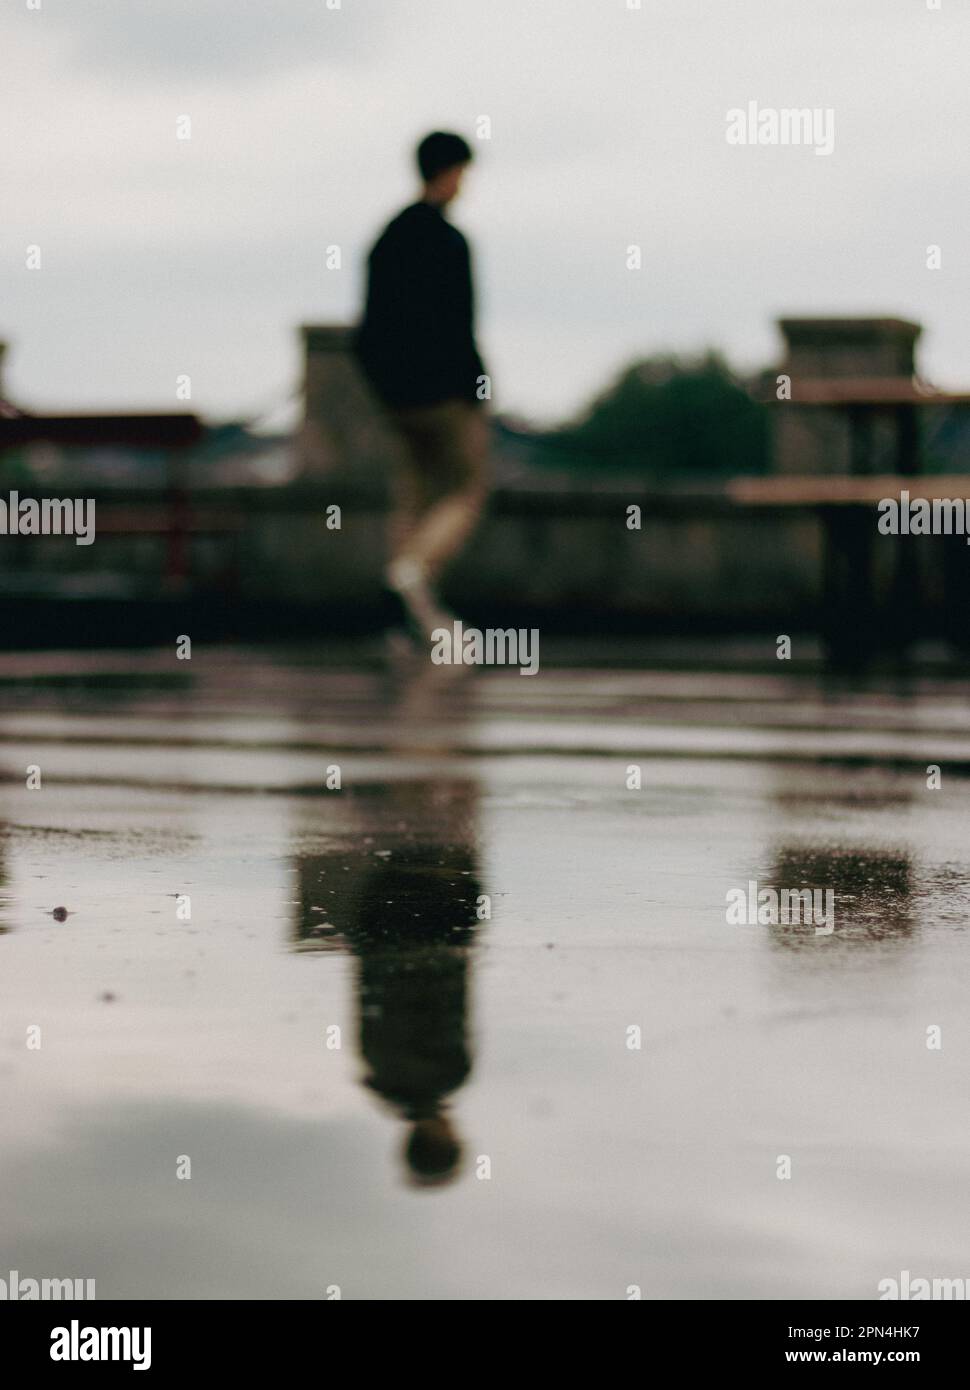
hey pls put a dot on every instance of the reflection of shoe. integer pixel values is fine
(406, 579)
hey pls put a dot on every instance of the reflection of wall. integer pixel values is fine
(873, 890)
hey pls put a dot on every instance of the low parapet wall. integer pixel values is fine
(569, 551)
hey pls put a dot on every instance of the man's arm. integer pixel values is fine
(459, 314)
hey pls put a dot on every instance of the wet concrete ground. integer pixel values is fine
(383, 1088)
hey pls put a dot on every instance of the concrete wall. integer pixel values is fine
(548, 545)
(693, 560)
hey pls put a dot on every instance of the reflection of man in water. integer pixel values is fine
(409, 915)
(413, 937)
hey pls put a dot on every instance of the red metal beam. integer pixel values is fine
(170, 431)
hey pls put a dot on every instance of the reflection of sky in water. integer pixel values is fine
(462, 1038)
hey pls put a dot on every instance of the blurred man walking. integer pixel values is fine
(417, 347)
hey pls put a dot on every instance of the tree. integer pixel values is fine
(669, 417)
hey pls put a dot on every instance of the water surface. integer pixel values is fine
(394, 1036)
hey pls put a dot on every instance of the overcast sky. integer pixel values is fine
(608, 128)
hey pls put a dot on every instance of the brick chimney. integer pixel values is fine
(344, 432)
(864, 360)
(873, 348)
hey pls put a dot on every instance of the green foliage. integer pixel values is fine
(667, 417)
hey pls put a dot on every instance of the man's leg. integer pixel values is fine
(441, 491)
(455, 449)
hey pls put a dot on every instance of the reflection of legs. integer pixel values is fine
(441, 487)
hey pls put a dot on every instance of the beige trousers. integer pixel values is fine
(440, 487)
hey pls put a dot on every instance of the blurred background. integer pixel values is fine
(190, 203)
(427, 918)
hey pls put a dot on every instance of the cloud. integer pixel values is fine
(215, 40)
(607, 129)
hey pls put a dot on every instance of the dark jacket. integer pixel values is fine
(417, 340)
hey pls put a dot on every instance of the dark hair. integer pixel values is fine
(441, 150)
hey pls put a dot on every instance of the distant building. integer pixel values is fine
(856, 403)
(342, 426)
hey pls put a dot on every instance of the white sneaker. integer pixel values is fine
(407, 579)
